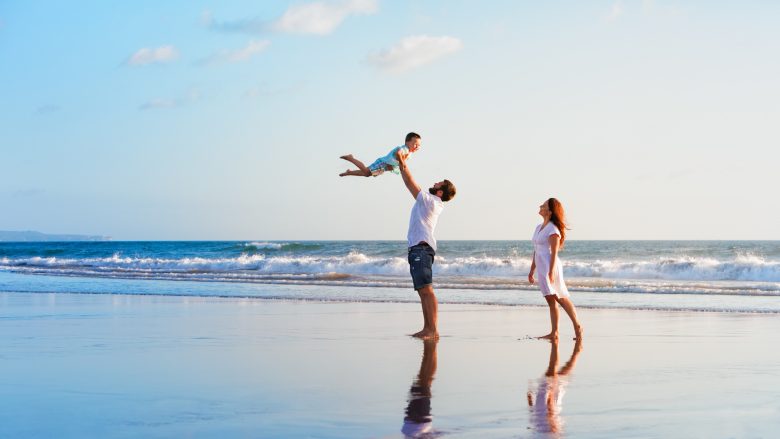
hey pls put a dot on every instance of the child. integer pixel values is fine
(386, 163)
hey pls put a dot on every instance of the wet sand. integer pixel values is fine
(78, 365)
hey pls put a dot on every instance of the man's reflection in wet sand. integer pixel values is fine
(418, 419)
(549, 391)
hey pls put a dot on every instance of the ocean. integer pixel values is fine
(741, 276)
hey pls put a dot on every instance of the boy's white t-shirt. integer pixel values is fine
(425, 214)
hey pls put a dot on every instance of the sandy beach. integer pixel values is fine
(85, 365)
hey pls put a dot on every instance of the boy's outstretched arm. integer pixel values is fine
(408, 179)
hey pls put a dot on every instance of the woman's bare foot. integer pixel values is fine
(346, 157)
(578, 332)
(426, 334)
(550, 336)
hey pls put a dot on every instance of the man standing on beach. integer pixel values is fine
(422, 245)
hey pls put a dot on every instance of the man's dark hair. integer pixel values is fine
(412, 136)
(448, 191)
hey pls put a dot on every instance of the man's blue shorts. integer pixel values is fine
(421, 265)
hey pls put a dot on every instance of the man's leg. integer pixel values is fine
(430, 309)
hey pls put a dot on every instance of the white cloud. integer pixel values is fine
(146, 56)
(250, 26)
(238, 55)
(320, 18)
(314, 18)
(414, 51)
(616, 11)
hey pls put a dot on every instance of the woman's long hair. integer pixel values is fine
(558, 217)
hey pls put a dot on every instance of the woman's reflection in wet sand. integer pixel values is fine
(418, 419)
(549, 391)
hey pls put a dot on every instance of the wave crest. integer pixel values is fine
(742, 268)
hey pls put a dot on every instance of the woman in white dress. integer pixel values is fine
(546, 266)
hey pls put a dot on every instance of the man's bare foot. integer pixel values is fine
(426, 334)
(578, 332)
(344, 174)
(346, 157)
(550, 336)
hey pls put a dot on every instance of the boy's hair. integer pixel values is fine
(448, 191)
(412, 136)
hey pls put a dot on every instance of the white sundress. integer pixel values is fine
(542, 256)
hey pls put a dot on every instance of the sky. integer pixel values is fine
(196, 120)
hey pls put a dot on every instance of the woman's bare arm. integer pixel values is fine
(554, 244)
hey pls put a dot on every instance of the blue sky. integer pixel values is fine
(225, 120)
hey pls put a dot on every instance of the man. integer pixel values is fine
(422, 245)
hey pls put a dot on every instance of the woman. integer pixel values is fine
(548, 238)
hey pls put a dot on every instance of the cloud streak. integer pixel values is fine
(413, 52)
(237, 55)
(164, 103)
(314, 18)
(158, 55)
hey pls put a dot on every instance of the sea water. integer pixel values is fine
(689, 275)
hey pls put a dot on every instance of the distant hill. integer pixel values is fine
(31, 236)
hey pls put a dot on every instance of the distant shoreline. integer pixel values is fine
(33, 236)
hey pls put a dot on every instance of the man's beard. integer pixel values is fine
(433, 191)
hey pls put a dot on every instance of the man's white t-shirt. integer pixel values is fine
(425, 214)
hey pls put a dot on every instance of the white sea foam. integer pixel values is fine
(476, 272)
(268, 245)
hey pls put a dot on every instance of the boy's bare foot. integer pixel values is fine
(346, 157)
(550, 336)
(426, 334)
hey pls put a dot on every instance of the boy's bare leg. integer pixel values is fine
(354, 172)
(357, 163)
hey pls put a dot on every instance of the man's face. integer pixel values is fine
(436, 189)
(413, 144)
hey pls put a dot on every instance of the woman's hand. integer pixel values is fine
(531, 279)
(550, 277)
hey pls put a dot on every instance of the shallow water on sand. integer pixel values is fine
(156, 366)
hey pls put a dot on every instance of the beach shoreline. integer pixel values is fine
(38, 283)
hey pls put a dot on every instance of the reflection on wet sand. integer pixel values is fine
(418, 419)
(549, 391)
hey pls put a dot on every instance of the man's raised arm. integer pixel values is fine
(407, 176)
